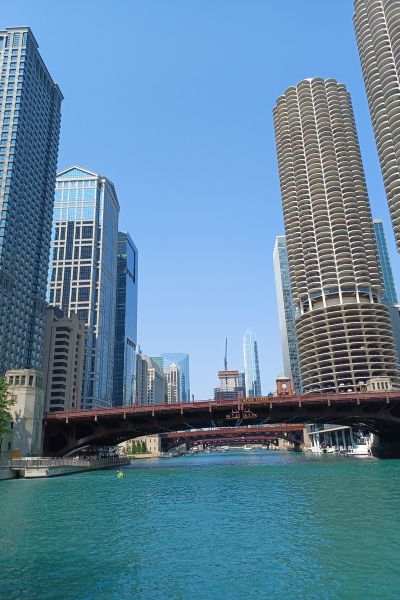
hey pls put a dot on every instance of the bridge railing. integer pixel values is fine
(81, 463)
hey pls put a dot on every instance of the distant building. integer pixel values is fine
(389, 295)
(151, 382)
(156, 383)
(141, 380)
(251, 365)
(152, 442)
(286, 313)
(125, 322)
(229, 386)
(30, 114)
(83, 271)
(63, 359)
(173, 379)
(166, 359)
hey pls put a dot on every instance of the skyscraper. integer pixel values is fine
(30, 113)
(182, 360)
(83, 271)
(376, 24)
(63, 358)
(125, 322)
(251, 364)
(172, 375)
(286, 313)
(157, 392)
(230, 386)
(389, 295)
(344, 334)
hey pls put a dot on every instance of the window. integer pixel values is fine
(83, 294)
(84, 273)
(83, 315)
(86, 252)
(87, 232)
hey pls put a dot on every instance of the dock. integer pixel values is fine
(39, 467)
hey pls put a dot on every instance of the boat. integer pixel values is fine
(247, 447)
(360, 449)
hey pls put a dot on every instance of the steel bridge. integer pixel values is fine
(257, 434)
(378, 412)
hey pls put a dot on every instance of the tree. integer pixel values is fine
(6, 402)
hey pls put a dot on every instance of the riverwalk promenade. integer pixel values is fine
(34, 467)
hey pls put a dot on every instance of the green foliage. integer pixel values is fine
(6, 402)
(136, 447)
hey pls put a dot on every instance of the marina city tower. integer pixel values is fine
(343, 331)
(377, 24)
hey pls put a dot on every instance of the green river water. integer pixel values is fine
(235, 525)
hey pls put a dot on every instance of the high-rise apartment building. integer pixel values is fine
(286, 313)
(30, 112)
(63, 358)
(166, 359)
(389, 295)
(343, 330)
(83, 271)
(251, 364)
(376, 24)
(126, 322)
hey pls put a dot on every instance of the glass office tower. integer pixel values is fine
(126, 322)
(389, 295)
(286, 313)
(30, 113)
(83, 271)
(182, 360)
(251, 365)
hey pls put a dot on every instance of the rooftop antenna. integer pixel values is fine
(226, 354)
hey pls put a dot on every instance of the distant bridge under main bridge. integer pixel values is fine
(377, 412)
(257, 434)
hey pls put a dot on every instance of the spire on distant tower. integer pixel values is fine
(226, 355)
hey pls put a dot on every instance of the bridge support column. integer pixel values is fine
(386, 446)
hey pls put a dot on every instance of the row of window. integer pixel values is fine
(22, 380)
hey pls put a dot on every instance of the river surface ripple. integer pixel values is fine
(235, 525)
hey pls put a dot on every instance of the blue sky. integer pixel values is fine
(172, 100)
